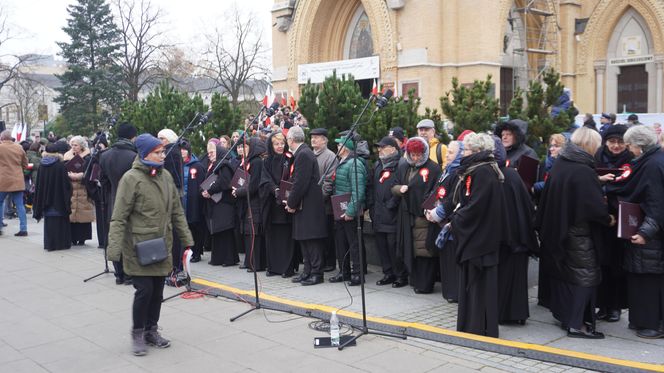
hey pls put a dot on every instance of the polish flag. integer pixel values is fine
(374, 90)
(269, 96)
(292, 100)
(283, 100)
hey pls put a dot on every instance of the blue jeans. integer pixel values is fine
(17, 197)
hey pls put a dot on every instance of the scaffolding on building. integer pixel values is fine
(535, 31)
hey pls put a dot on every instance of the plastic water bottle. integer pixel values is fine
(334, 329)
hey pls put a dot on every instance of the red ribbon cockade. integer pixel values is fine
(441, 192)
(384, 176)
(469, 181)
(627, 172)
(425, 174)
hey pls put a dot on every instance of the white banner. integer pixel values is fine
(637, 60)
(360, 68)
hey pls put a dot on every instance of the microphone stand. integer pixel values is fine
(257, 303)
(364, 330)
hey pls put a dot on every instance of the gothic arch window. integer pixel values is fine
(359, 39)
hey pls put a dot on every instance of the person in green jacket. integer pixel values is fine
(147, 206)
(345, 233)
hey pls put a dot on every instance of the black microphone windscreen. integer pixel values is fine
(388, 94)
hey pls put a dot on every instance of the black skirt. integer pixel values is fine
(449, 272)
(57, 235)
(646, 300)
(255, 253)
(478, 300)
(424, 273)
(279, 249)
(81, 231)
(512, 286)
(224, 248)
(571, 304)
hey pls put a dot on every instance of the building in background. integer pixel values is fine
(610, 53)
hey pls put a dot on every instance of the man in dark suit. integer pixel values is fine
(305, 202)
(114, 162)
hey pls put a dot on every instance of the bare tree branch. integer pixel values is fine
(139, 25)
(231, 62)
(9, 63)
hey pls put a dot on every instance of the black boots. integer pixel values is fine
(138, 347)
(153, 338)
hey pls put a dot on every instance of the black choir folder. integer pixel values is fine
(630, 218)
(430, 202)
(240, 179)
(339, 204)
(75, 164)
(207, 184)
(285, 188)
(528, 170)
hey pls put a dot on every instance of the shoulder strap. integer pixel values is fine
(439, 154)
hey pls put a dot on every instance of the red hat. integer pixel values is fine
(463, 134)
(414, 147)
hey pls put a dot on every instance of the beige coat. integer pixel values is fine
(82, 208)
(12, 162)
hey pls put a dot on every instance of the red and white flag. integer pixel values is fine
(269, 96)
(374, 90)
(292, 100)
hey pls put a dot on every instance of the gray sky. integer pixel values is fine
(37, 24)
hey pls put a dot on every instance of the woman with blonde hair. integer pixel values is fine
(82, 208)
(570, 215)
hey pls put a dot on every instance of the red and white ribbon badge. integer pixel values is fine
(441, 192)
(627, 172)
(425, 174)
(193, 172)
(469, 181)
(384, 176)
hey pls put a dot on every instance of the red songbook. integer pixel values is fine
(605, 171)
(285, 188)
(240, 179)
(75, 164)
(630, 218)
(528, 170)
(339, 204)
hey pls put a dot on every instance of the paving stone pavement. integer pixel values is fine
(50, 321)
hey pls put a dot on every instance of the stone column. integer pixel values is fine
(600, 69)
(659, 65)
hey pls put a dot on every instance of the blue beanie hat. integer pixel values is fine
(145, 144)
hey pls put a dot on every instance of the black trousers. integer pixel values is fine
(347, 246)
(329, 250)
(646, 300)
(198, 232)
(312, 255)
(386, 243)
(147, 300)
(177, 251)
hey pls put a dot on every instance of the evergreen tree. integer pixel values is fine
(91, 86)
(339, 101)
(472, 108)
(541, 97)
(308, 102)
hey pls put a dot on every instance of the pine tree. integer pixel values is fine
(472, 108)
(91, 86)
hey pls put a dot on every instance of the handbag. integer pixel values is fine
(154, 250)
(151, 251)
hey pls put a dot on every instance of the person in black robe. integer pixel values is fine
(612, 292)
(250, 215)
(193, 174)
(478, 226)
(643, 184)
(279, 245)
(384, 212)
(416, 177)
(449, 269)
(220, 216)
(306, 204)
(515, 250)
(173, 164)
(569, 215)
(52, 200)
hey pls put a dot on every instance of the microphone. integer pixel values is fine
(113, 120)
(383, 100)
(272, 109)
(205, 118)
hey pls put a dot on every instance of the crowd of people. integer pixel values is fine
(459, 214)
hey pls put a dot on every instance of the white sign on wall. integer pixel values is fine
(637, 60)
(360, 68)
